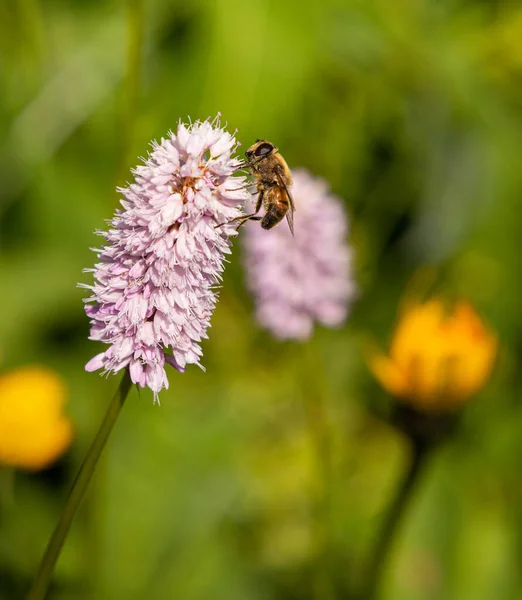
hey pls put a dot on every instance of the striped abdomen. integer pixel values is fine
(276, 205)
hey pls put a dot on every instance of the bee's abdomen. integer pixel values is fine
(273, 216)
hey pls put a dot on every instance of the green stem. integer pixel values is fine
(393, 519)
(43, 576)
(7, 480)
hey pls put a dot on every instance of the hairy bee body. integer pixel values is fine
(273, 180)
(267, 164)
(276, 205)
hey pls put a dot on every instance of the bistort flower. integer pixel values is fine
(439, 357)
(34, 431)
(154, 282)
(299, 280)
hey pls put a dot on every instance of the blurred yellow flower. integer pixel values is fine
(33, 430)
(438, 357)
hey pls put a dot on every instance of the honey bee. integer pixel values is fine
(273, 179)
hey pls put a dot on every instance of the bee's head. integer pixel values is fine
(260, 149)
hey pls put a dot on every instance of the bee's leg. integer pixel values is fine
(259, 202)
(241, 187)
(243, 218)
(243, 165)
(248, 164)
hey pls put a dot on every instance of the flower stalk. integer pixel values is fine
(393, 518)
(7, 480)
(44, 574)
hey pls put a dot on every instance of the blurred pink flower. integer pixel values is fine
(154, 283)
(296, 281)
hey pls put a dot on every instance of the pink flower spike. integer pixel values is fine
(154, 282)
(297, 281)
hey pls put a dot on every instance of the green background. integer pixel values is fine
(412, 109)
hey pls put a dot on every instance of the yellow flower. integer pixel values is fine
(33, 430)
(438, 358)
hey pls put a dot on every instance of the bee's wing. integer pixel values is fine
(290, 219)
(290, 212)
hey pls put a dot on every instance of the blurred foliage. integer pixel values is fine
(232, 488)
